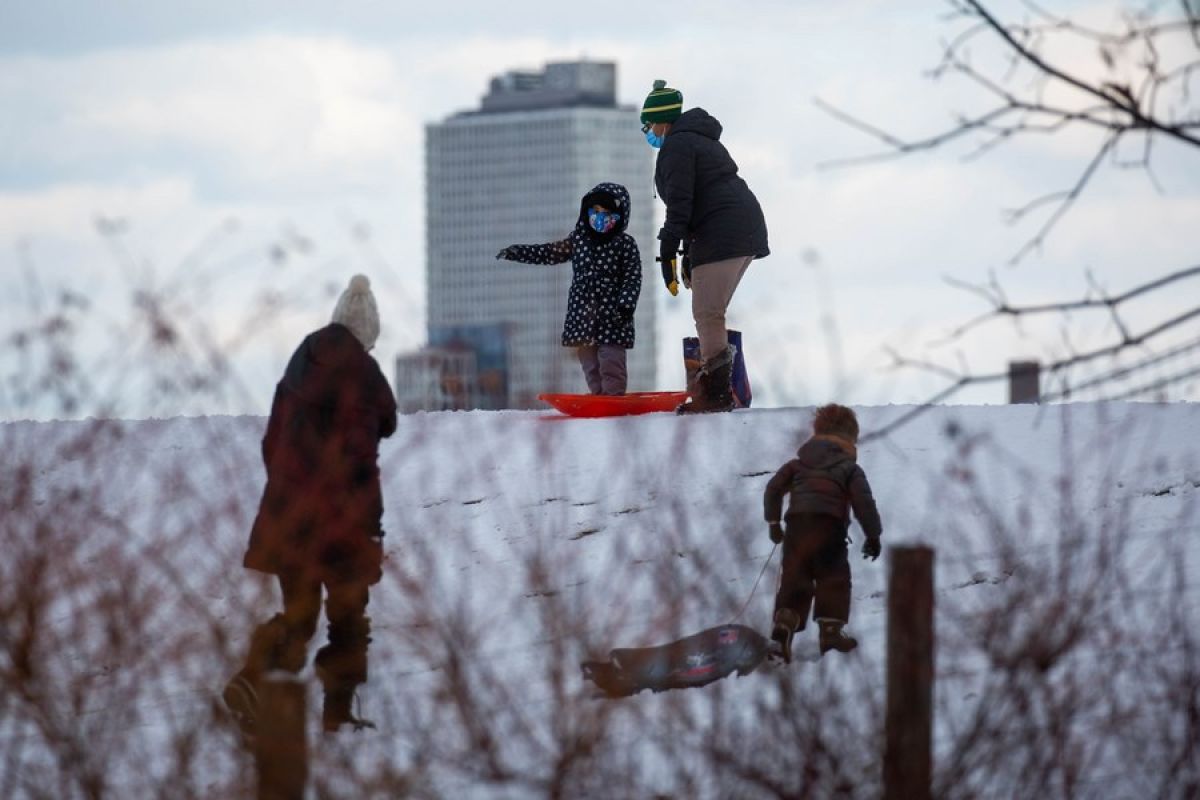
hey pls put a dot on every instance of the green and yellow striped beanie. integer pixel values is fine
(663, 104)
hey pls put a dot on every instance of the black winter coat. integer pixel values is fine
(708, 205)
(322, 508)
(606, 273)
(824, 478)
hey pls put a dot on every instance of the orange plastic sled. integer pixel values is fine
(601, 405)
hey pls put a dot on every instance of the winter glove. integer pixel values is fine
(685, 265)
(667, 250)
(775, 531)
(872, 548)
(506, 254)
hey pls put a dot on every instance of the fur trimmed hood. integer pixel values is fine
(845, 445)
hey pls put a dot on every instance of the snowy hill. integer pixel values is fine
(1067, 542)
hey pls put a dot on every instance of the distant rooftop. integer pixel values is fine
(558, 85)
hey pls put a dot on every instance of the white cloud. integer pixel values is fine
(259, 110)
(69, 210)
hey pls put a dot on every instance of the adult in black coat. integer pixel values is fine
(319, 523)
(713, 214)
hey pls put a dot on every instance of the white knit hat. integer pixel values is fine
(357, 311)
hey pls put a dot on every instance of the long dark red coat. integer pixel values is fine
(322, 508)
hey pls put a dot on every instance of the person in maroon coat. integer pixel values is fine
(823, 482)
(319, 523)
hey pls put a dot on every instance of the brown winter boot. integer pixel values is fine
(241, 699)
(713, 390)
(336, 711)
(271, 647)
(786, 622)
(832, 637)
(341, 666)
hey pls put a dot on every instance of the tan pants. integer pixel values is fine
(713, 285)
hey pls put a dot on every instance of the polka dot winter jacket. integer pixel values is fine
(606, 275)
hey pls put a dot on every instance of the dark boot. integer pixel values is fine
(714, 391)
(271, 647)
(267, 645)
(832, 637)
(786, 622)
(341, 666)
(336, 711)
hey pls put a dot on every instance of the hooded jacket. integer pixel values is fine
(824, 478)
(322, 508)
(606, 273)
(709, 207)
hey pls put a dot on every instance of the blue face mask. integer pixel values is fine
(603, 221)
(654, 139)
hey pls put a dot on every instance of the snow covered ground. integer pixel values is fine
(1067, 546)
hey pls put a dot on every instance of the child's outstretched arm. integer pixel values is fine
(549, 253)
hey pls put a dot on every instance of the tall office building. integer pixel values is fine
(513, 172)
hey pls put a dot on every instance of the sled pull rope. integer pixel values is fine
(754, 588)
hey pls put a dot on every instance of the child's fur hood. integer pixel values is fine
(820, 441)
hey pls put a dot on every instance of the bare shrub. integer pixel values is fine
(1067, 649)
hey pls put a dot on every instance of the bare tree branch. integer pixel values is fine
(1004, 309)
(1065, 204)
(900, 146)
(959, 380)
(1117, 96)
(1112, 106)
(1108, 378)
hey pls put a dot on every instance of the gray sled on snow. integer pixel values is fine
(695, 660)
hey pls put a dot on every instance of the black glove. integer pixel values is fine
(775, 531)
(506, 254)
(685, 265)
(872, 547)
(667, 251)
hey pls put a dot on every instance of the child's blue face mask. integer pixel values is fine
(603, 221)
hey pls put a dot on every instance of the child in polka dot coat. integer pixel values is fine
(605, 283)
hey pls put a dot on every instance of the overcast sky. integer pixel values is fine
(222, 151)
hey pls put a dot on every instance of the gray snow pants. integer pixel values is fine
(603, 368)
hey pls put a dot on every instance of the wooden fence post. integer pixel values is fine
(907, 760)
(281, 746)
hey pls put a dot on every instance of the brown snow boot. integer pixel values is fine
(271, 647)
(241, 700)
(713, 391)
(336, 711)
(832, 637)
(786, 622)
